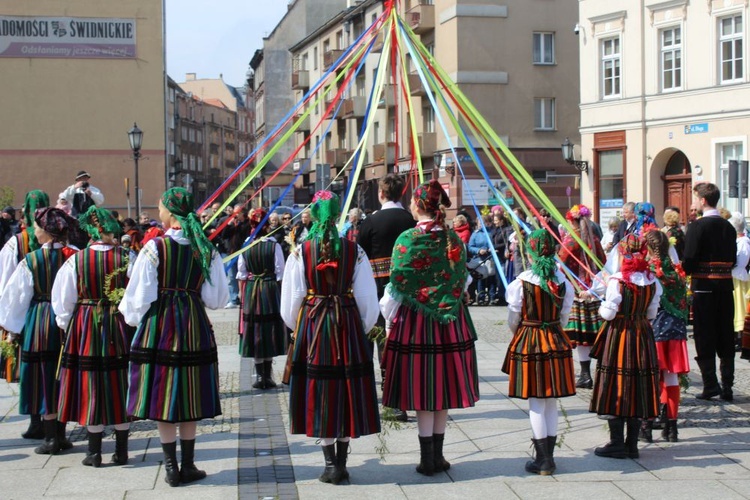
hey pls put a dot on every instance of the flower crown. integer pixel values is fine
(578, 211)
(322, 195)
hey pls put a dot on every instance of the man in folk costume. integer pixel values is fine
(330, 301)
(377, 235)
(94, 365)
(710, 255)
(11, 254)
(27, 310)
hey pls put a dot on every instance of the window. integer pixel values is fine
(726, 152)
(610, 50)
(391, 129)
(730, 48)
(376, 133)
(610, 175)
(544, 48)
(428, 120)
(303, 64)
(315, 58)
(184, 133)
(544, 113)
(671, 59)
(340, 40)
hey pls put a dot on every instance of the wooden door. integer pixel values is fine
(678, 184)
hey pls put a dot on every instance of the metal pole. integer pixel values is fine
(136, 155)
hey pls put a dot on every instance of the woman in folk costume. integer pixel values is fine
(330, 300)
(627, 374)
(430, 358)
(584, 320)
(27, 310)
(94, 365)
(740, 275)
(670, 332)
(11, 254)
(539, 360)
(259, 270)
(174, 370)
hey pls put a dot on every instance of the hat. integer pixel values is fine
(126, 237)
(9, 210)
(82, 173)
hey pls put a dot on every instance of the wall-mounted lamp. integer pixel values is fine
(568, 154)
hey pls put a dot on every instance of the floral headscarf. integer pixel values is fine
(179, 202)
(644, 212)
(541, 248)
(431, 197)
(53, 221)
(34, 199)
(97, 221)
(325, 211)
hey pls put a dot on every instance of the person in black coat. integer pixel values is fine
(627, 226)
(710, 254)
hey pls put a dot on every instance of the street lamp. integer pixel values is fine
(569, 156)
(437, 159)
(135, 136)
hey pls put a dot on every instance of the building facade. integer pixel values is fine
(664, 88)
(77, 76)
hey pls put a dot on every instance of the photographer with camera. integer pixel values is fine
(82, 194)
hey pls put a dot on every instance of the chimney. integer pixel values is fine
(189, 77)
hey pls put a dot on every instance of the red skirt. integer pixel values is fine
(673, 356)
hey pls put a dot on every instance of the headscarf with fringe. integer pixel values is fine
(325, 211)
(541, 248)
(431, 198)
(97, 221)
(34, 200)
(179, 202)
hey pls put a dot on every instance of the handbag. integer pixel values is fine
(288, 365)
(481, 267)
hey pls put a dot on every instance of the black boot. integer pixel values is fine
(260, 382)
(631, 440)
(342, 452)
(646, 434)
(63, 441)
(329, 473)
(616, 446)
(711, 386)
(584, 380)
(188, 471)
(94, 455)
(51, 445)
(551, 445)
(441, 464)
(426, 456)
(120, 456)
(726, 369)
(542, 463)
(268, 375)
(170, 464)
(669, 434)
(35, 430)
(660, 421)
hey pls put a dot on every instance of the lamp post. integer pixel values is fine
(568, 154)
(437, 159)
(135, 136)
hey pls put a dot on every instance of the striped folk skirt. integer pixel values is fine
(430, 366)
(627, 374)
(174, 365)
(264, 334)
(40, 354)
(94, 367)
(539, 363)
(584, 322)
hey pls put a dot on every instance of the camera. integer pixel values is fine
(577, 28)
(85, 185)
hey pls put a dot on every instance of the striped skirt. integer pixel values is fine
(741, 289)
(94, 368)
(264, 334)
(430, 366)
(332, 387)
(627, 374)
(40, 353)
(539, 363)
(174, 367)
(584, 322)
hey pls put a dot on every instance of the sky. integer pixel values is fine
(216, 37)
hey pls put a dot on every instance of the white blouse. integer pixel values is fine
(242, 272)
(294, 290)
(514, 297)
(739, 271)
(17, 294)
(143, 287)
(611, 303)
(8, 261)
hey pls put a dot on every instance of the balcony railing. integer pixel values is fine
(336, 157)
(384, 152)
(354, 107)
(415, 85)
(421, 18)
(304, 125)
(330, 57)
(379, 41)
(300, 80)
(387, 99)
(427, 144)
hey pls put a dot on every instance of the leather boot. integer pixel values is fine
(551, 445)
(616, 446)
(188, 471)
(631, 439)
(94, 455)
(427, 456)
(542, 463)
(120, 457)
(35, 430)
(342, 452)
(441, 464)
(660, 421)
(329, 473)
(726, 369)
(63, 441)
(268, 375)
(170, 464)
(669, 434)
(711, 386)
(584, 380)
(259, 380)
(51, 445)
(646, 434)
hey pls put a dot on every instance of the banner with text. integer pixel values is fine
(67, 37)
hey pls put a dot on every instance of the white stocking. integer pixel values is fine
(441, 419)
(426, 423)
(536, 417)
(550, 416)
(670, 379)
(584, 352)
(122, 427)
(327, 441)
(95, 429)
